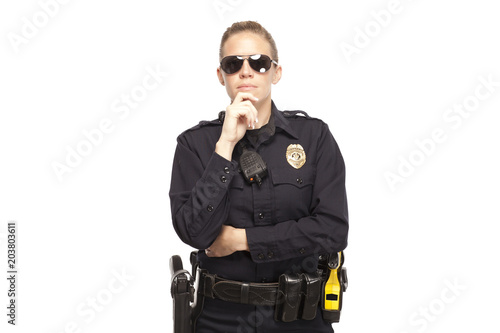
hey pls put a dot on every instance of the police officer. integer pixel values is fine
(252, 229)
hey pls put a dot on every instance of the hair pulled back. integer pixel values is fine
(253, 27)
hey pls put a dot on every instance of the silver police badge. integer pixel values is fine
(296, 156)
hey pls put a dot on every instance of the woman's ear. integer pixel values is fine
(220, 76)
(277, 75)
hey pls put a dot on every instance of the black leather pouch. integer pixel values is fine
(289, 298)
(311, 290)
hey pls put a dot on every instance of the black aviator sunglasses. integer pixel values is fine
(260, 63)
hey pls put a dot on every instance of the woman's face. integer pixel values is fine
(246, 79)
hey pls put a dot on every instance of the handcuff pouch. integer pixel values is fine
(311, 290)
(289, 298)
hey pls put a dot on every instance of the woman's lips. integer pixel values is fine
(246, 87)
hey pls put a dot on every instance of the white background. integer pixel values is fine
(112, 212)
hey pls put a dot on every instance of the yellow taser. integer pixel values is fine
(334, 287)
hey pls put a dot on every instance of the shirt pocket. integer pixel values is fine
(293, 190)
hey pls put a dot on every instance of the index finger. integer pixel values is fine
(243, 96)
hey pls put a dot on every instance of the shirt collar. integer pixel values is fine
(281, 122)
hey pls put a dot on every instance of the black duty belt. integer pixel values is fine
(295, 296)
(239, 292)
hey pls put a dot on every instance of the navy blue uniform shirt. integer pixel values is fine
(295, 215)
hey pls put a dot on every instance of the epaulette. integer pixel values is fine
(290, 114)
(218, 121)
(208, 122)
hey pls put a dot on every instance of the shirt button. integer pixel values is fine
(210, 208)
(223, 179)
(302, 251)
(260, 256)
(226, 169)
(270, 255)
(261, 216)
(299, 180)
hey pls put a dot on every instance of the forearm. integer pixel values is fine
(291, 239)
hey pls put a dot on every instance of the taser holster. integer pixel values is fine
(335, 283)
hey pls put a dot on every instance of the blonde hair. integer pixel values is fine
(249, 26)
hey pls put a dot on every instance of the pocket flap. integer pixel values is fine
(293, 177)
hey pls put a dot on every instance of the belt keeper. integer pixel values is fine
(245, 288)
(209, 281)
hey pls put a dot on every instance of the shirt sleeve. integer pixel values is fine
(198, 195)
(325, 229)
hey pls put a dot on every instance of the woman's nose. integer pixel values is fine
(246, 70)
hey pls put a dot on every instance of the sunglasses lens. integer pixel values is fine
(231, 64)
(260, 63)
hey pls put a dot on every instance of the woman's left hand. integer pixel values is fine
(230, 240)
